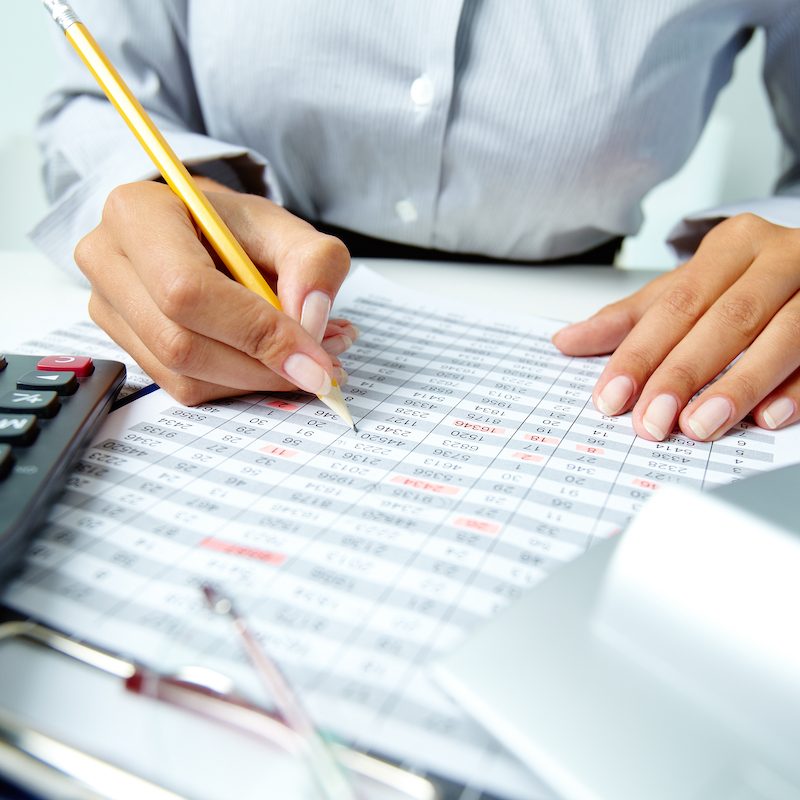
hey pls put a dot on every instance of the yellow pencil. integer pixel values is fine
(172, 170)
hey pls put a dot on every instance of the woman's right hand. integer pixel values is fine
(158, 291)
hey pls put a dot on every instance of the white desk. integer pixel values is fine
(37, 296)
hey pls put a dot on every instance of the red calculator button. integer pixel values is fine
(80, 365)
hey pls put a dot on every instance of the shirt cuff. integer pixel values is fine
(686, 236)
(80, 208)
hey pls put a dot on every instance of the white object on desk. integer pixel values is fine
(672, 669)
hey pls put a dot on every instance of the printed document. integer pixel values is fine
(479, 466)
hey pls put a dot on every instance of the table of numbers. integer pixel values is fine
(479, 466)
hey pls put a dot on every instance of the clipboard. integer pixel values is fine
(150, 735)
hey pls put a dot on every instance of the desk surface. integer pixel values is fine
(38, 297)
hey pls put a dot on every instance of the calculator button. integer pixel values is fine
(61, 382)
(18, 429)
(24, 401)
(82, 366)
(6, 460)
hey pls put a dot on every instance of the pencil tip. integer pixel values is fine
(355, 429)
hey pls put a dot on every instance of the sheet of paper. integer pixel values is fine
(479, 466)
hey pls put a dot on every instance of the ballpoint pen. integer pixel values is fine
(173, 171)
(323, 764)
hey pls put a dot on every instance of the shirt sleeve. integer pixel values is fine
(782, 81)
(87, 148)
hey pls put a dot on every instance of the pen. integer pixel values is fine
(324, 764)
(173, 171)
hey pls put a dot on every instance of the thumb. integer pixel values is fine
(600, 334)
(604, 331)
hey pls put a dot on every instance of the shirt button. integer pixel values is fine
(406, 210)
(422, 91)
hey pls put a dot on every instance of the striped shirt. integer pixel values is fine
(524, 129)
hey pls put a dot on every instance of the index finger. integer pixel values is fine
(290, 250)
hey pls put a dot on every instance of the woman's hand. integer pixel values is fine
(739, 293)
(157, 291)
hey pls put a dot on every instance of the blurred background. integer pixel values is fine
(737, 157)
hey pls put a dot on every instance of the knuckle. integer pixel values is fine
(95, 309)
(178, 292)
(743, 314)
(86, 252)
(640, 361)
(682, 301)
(175, 348)
(683, 374)
(119, 201)
(745, 390)
(187, 391)
(122, 200)
(745, 224)
(331, 252)
(266, 339)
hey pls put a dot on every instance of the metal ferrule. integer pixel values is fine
(61, 12)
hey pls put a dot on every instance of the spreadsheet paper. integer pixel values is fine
(478, 467)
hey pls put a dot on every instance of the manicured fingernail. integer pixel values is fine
(615, 394)
(355, 332)
(307, 374)
(336, 345)
(659, 419)
(341, 376)
(778, 411)
(710, 417)
(314, 316)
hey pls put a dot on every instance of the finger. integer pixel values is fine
(337, 326)
(782, 406)
(603, 332)
(180, 277)
(187, 391)
(340, 334)
(309, 266)
(336, 345)
(739, 319)
(770, 360)
(180, 350)
(694, 288)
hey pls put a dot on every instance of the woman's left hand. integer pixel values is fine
(738, 294)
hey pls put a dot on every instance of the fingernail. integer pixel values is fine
(615, 394)
(341, 376)
(336, 345)
(778, 411)
(314, 316)
(307, 374)
(710, 417)
(659, 419)
(356, 332)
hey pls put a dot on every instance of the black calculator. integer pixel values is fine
(50, 407)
